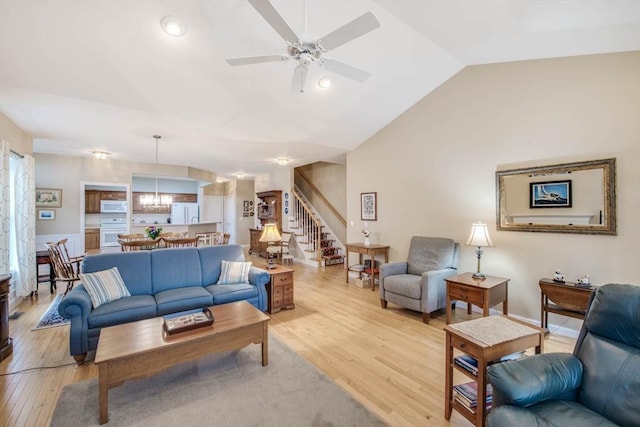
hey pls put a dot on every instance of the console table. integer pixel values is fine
(484, 293)
(371, 251)
(6, 343)
(569, 298)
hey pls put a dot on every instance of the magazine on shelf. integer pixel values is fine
(175, 324)
(467, 363)
(469, 392)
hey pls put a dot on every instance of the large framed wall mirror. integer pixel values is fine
(575, 197)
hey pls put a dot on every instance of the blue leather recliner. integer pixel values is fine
(597, 385)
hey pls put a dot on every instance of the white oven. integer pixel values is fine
(109, 230)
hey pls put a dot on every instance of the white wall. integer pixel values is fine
(434, 167)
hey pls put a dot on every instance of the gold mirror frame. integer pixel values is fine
(607, 217)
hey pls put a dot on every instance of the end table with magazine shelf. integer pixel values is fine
(486, 339)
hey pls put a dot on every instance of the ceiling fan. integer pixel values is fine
(307, 52)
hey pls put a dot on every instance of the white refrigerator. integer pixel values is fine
(184, 213)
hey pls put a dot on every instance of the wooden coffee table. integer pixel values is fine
(139, 349)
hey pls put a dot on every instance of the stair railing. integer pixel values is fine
(308, 226)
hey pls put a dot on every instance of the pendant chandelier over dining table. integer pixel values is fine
(156, 200)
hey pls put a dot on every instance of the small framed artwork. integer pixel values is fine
(46, 214)
(48, 197)
(368, 206)
(550, 194)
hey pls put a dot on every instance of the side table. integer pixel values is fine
(280, 289)
(569, 298)
(483, 293)
(371, 250)
(485, 339)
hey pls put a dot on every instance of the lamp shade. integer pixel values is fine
(270, 233)
(479, 236)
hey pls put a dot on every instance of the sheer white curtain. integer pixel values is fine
(22, 256)
(4, 207)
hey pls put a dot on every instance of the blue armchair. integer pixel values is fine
(597, 385)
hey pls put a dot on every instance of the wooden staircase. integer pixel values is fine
(316, 240)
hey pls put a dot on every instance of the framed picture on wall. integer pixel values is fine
(550, 194)
(46, 214)
(48, 197)
(368, 207)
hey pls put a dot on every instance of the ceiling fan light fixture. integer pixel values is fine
(173, 26)
(325, 82)
(240, 175)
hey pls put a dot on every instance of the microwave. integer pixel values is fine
(113, 206)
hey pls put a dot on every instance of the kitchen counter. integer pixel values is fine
(192, 229)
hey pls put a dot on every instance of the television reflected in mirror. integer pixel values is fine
(577, 197)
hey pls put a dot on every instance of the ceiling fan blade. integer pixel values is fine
(256, 59)
(271, 15)
(299, 76)
(345, 70)
(352, 30)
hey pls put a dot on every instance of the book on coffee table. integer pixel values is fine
(177, 324)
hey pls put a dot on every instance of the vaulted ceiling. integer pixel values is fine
(102, 75)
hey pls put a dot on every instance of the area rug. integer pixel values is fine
(51, 318)
(227, 389)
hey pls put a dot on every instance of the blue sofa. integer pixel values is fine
(160, 282)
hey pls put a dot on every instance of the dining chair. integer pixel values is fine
(281, 248)
(65, 254)
(137, 245)
(205, 238)
(65, 271)
(225, 238)
(181, 242)
(173, 234)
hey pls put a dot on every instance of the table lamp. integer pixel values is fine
(270, 234)
(479, 238)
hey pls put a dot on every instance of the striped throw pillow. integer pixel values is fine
(234, 272)
(104, 286)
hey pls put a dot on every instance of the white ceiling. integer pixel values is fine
(102, 75)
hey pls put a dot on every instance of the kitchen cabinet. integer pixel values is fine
(91, 238)
(185, 198)
(92, 201)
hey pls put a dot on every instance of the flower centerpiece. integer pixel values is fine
(367, 234)
(153, 232)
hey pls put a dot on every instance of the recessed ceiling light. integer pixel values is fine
(173, 26)
(219, 179)
(240, 175)
(100, 155)
(283, 161)
(324, 82)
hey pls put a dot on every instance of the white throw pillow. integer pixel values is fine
(104, 286)
(234, 272)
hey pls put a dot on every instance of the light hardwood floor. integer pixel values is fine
(387, 359)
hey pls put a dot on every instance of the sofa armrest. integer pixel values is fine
(534, 379)
(392, 269)
(76, 304)
(259, 278)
